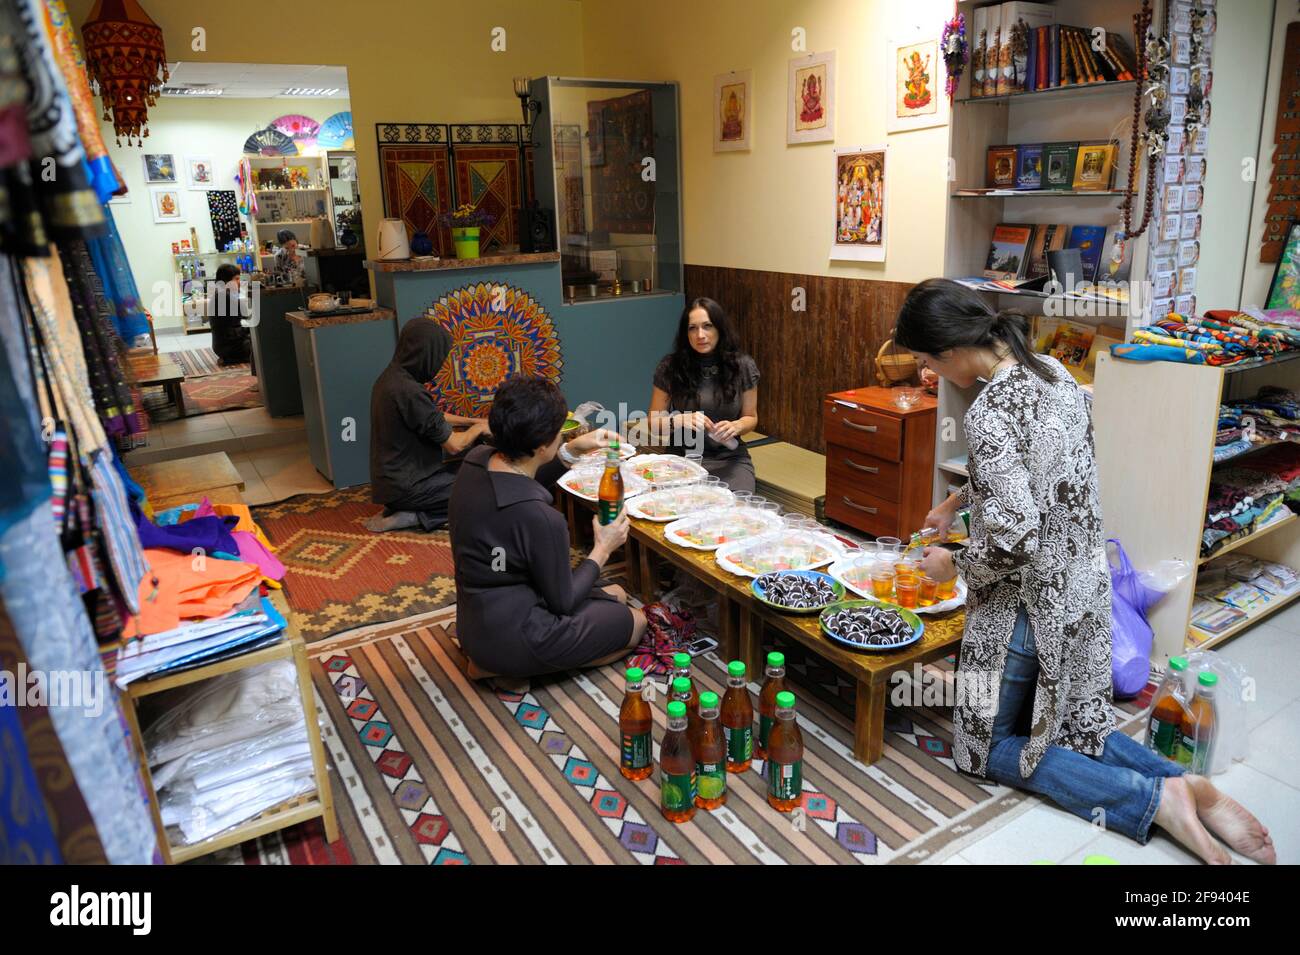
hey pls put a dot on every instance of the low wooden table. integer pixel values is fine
(742, 618)
(169, 483)
(160, 370)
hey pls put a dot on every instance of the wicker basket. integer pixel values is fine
(894, 365)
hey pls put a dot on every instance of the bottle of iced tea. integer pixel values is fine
(1167, 710)
(710, 756)
(634, 726)
(773, 683)
(676, 768)
(738, 719)
(609, 494)
(684, 690)
(785, 757)
(1197, 729)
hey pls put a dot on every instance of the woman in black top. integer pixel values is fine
(230, 339)
(521, 608)
(706, 394)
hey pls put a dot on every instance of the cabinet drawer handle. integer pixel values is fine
(861, 467)
(861, 427)
(860, 507)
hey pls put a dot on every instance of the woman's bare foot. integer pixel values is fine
(1231, 821)
(1177, 816)
(397, 521)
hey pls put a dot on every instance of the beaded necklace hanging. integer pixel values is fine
(1152, 80)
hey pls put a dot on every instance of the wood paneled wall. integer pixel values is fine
(830, 346)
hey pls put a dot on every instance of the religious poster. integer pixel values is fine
(915, 85)
(811, 99)
(166, 202)
(860, 195)
(731, 110)
(200, 172)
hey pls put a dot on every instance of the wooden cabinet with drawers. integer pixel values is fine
(879, 461)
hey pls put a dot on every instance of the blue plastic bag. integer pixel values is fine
(1131, 635)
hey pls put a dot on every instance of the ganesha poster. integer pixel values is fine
(811, 99)
(915, 85)
(860, 210)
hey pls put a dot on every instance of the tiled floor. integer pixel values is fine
(272, 474)
(1267, 782)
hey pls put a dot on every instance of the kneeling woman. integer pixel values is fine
(1038, 623)
(522, 610)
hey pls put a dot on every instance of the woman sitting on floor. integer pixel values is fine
(413, 450)
(522, 610)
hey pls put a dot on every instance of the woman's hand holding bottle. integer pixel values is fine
(608, 537)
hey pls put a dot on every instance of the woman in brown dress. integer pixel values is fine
(522, 609)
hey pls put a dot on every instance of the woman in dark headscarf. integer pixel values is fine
(413, 449)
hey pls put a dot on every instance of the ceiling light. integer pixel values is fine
(309, 91)
(192, 91)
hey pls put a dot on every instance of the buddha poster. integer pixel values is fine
(860, 204)
(732, 110)
(811, 99)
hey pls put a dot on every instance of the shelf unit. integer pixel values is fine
(300, 208)
(1104, 111)
(1155, 425)
(195, 325)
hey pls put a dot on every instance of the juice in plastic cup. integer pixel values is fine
(907, 590)
(882, 584)
(947, 589)
(929, 591)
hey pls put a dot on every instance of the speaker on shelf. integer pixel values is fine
(536, 229)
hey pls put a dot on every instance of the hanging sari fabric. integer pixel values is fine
(22, 457)
(69, 205)
(104, 360)
(104, 177)
(22, 231)
(114, 273)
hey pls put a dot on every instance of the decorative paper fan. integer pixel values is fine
(336, 132)
(270, 142)
(301, 129)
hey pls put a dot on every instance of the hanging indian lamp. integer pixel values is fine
(126, 61)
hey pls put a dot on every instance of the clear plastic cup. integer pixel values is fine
(907, 590)
(882, 584)
(929, 591)
(743, 498)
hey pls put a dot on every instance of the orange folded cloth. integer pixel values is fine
(183, 587)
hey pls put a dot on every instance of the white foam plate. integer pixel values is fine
(842, 567)
(675, 532)
(771, 545)
(668, 469)
(671, 503)
(589, 478)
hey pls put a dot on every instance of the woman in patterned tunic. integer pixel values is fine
(1038, 624)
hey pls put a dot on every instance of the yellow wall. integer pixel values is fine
(771, 208)
(183, 127)
(407, 60)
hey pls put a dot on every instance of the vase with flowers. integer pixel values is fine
(465, 222)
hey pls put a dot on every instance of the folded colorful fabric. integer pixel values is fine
(1140, 351)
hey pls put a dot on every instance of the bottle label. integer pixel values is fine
(1163, 737)
(711, 780)
(1186, 750)
(636, 751)
(740, 743)
(765, 724)
(609, 511)
(785, 780)
(676, 791)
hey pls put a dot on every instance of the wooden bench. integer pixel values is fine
(160, 370)
(789, 475)
(186, 480)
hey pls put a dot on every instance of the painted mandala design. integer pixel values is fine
(497, 331)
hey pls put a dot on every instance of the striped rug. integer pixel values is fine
(431, 768)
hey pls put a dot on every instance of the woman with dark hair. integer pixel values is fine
(521, 608)
(287, 261)
(226, 309)
(706, 394)
(1035, 711)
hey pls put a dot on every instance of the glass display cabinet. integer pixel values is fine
(608, 164)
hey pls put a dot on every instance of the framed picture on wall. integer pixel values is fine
(810, 99)
(200, 173)
(1284, 291)
(914, 85)
(732, 110)
(166, 202)
(159, 167)
(860, 204)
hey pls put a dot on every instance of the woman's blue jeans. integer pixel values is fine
(1120, 789)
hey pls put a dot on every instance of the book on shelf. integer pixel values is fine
(1059, 55)
(1008, 252)
(1071, 344)
(1212, 617)
(1058, 165)
(1094, 166)
(977, 42)
(1000, 167)
(992, 43)
(1029, 166)
(1018, 21)
(1088, 239)
(1048, 237)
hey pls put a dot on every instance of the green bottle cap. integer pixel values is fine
(1099, 860)
(785, 700)
(776, 659)
(676, 710)
(1208, 679)
(1178, 663)
(635, 675)
(681, 685)
(735, 668)
(682, 660)
(708, 699)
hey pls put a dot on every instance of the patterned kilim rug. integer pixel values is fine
(203, 362)
(340, 576)
(431, 768)
(221, 393)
